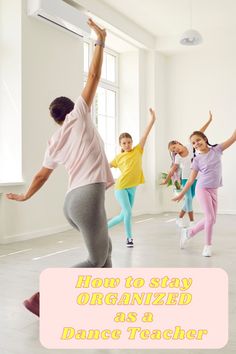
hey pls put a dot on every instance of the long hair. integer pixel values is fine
(203, 136)
(173, 154)
(60, 107)
(124, 135)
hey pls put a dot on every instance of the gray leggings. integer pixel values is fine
(85, 211)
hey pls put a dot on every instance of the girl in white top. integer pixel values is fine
(78, 146)
(181, 157)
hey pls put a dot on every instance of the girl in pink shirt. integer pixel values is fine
(207, 165)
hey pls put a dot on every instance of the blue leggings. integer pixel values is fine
(188, 198)
(125, 198)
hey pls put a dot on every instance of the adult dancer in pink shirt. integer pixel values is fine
(78, 146)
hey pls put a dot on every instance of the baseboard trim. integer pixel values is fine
(152, 211)
(54, 230)
(199, 211)
(227, 212)
(35, 234)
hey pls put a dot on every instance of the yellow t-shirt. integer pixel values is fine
(130, 165)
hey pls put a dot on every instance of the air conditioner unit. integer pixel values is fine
(61, 14)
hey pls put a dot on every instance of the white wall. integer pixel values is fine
(199, 81)
(10, 91)
(160, 92)
(49, 59)
(151, 74)
(129, 95)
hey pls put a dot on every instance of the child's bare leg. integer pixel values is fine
(190, 215)
(181, 214)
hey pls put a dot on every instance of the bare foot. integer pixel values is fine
(101, 33)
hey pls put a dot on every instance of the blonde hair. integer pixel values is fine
(172, 154)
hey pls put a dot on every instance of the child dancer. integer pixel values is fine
(129, 161)
(208, 164)
(78, 146)
(181, 158)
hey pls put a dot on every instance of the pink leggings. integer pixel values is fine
(207, 198)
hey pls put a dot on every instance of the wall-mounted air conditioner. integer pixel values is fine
(61, 14)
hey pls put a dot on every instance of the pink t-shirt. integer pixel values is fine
(78, 146)
(209, 167)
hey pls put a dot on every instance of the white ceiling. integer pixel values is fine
(168, 19)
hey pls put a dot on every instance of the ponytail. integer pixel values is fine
(173, 154)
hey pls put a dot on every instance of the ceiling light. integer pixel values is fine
(191, 37)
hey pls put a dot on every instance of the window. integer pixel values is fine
(104, 109)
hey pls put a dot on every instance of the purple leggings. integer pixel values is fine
(207, 198)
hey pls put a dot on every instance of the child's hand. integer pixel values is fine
(153, 114)
(178, 197)
(210, 116)
(164, 182)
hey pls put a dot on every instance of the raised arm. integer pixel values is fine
(229, 141)
(148, 128)
(190, 181)
(38, 181)
(95, 68)
(205, 126)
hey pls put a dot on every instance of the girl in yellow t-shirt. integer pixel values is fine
(129, 162)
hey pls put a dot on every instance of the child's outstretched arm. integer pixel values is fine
(205, 126)
(148, 128)
(173, 169)
(229, 141)
(190, 181)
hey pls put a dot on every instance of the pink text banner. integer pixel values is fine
(128, 308)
